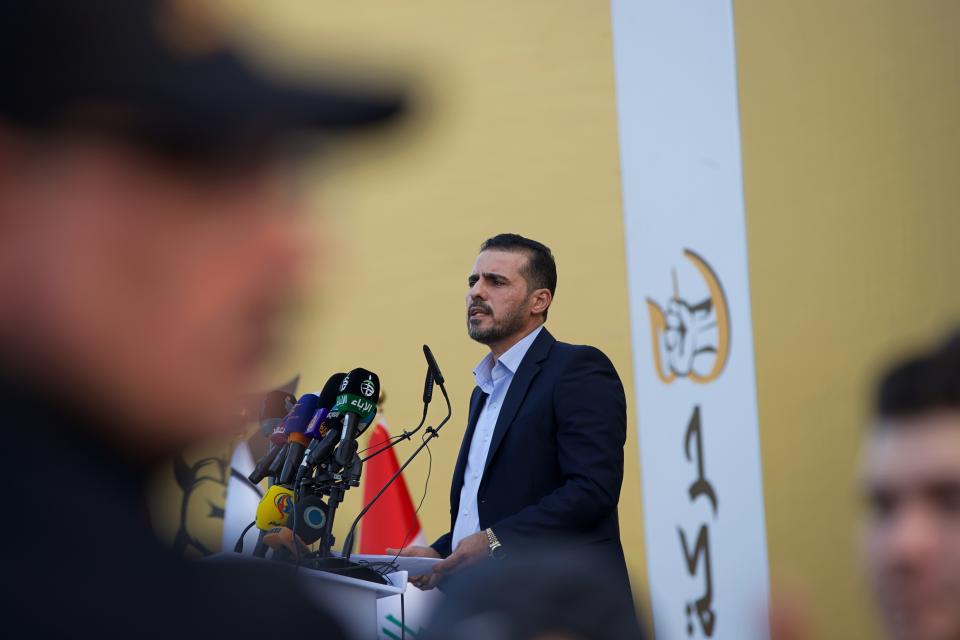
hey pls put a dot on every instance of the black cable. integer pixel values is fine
(426, 485)
(403, 619)
(390, 439)
(395, 440)
(238, 548)
(381, 567)
(245, 480)
(406, 435)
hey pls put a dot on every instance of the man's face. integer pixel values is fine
(912, 532)
(155, 285)
(498, 301)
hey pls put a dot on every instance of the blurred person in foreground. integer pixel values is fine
(911, 481)
(535, 598)
(150, 233)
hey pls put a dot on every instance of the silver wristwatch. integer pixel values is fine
(494, 545)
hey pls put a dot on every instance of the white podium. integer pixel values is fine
(354, 602)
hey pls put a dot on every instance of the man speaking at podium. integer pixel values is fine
(541, 462)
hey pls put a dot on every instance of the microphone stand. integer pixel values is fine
(406, 435)
(432, 432)
(433, 377)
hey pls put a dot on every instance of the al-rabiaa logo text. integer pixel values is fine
(367, 387)
(691, 339)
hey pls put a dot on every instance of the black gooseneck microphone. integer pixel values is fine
(433, 375)
(432, 364)
(428, 387)
(432, 432)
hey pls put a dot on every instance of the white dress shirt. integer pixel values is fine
(493, 376)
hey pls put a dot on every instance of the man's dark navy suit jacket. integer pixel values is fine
(555, 466)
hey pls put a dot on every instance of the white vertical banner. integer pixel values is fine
(690, 314)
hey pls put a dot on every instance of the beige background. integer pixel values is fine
(851, 144)
(850, 115)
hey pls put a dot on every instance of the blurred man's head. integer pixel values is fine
(511, 287)
(150, 228)
(147, 279)
(536, 597)
(911, 479)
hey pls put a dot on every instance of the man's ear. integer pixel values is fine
(541, 301)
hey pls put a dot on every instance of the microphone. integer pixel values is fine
(274, 508)
(325, 403)
(428, 387)
(278, 438)
(277, 464)
(320, 450)
(295, 424)
(309, 518)
(323, 437)
(260, 470)
(276, 405)
(358, 397)
(313, 430)
(432, 365)
(433, 371)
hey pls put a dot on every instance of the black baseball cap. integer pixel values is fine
(151, 69)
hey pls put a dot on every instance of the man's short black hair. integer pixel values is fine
(540, 270)
(923, 384)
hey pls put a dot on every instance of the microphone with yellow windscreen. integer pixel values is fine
(275, 508)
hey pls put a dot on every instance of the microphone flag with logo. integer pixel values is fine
(358, 397)
(358, 394)
(275, 508)
(325, 402)
(295, 424)
(310, 517)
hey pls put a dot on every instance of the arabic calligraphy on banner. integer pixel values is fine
(691, 330)
(698, 558)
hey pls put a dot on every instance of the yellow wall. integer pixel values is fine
(851, 137)
(851, 150)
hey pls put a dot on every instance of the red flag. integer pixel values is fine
(392, 522)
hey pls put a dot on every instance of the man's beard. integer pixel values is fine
(499, 328)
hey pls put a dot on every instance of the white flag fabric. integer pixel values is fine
(242, 501)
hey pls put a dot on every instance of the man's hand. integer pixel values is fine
(414, 552)
(470, 551)
(424, 582)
